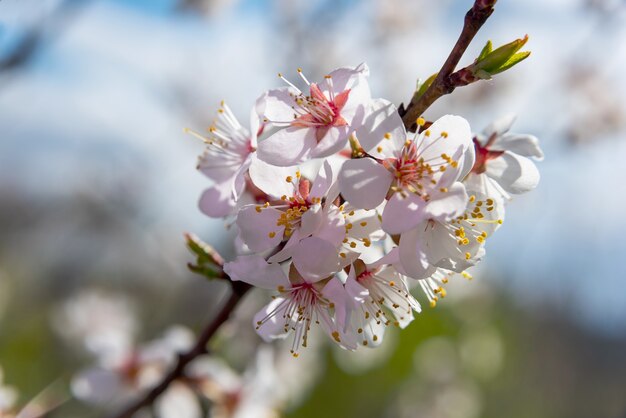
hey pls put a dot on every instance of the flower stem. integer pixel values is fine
(239, 289)
(444, 83)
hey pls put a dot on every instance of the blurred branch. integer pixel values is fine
(443, 83)
(239, 289)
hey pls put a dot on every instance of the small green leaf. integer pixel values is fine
(422, 87)
(486, 50)
(208, 262)
(515, 59)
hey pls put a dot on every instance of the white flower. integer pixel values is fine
(418, 176)
(303, 299)
(381, 298)
(257, 393)
(105, 324)
(503, 165)
(453, 245)
(229, 153)
(138, 368)
(293, 210)
(314, 125)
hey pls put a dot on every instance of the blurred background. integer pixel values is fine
(98, 185)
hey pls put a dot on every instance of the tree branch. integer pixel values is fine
(238, 290)
(444, 83)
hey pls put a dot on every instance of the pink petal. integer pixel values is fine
(272, 316)
(412, 255)
(217, 201)
(276, 105)
(323, 181)
(271, 179)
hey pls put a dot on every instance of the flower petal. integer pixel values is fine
(449, 204)
(381, 118)
(288, 146)
(323, 181)
(447, 135)
(218, 201)
(524, 145)
(276, 105)
(412, 255)
(178, 401)
(258, 227)
(499, 126)
(514, 173)
(270, 321)
(254, 270)
(403, 213)
(364, 182)
(316, 259)
(333, 141)
(271, 179)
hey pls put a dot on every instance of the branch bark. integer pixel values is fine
(238, 290)
(444, 83)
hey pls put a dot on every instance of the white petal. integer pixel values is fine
(271, 179)
(412, 256)
(499, 126)
(524, 145)
(316, 259)
(258, 229)
(515, 174)
(217, 201)
(347, 77)
(323, 181)
(448, 205)
(254, 270)
(364, 182)
(332, 227)
(276, 105)
(311, 220)
(403, 213)
(272, 316)
(381, 118)
(178, 401)
(97, 385)
(335, 139)
(288, 146)
(459, 136)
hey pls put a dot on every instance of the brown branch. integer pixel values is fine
(238, 290)
(444, 83)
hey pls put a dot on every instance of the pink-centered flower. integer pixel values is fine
(418, 175)
(380, 298)
(316, 123)
(293, 210)
(302, 300)
(230, 151)
(503, 160)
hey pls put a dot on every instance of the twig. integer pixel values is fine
(238, 290)
(444, 83)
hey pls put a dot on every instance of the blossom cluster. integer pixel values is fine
(342, 212)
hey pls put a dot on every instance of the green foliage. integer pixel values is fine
(491, 62)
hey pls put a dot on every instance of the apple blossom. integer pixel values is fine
(503, 160)
(453, 245)
(230, 151)
(314, 125)
(419, 176)
(302, 300)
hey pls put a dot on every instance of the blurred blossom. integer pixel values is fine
(257, 393)
(8, 396)
(436, 359)
(104, 324)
